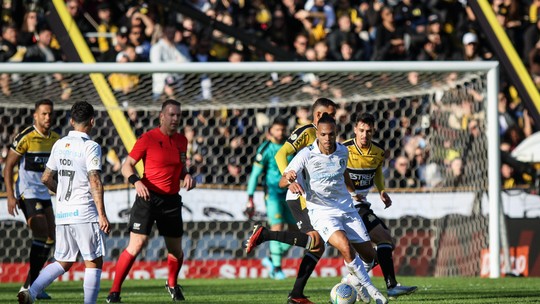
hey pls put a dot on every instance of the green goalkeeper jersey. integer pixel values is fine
(266, 163)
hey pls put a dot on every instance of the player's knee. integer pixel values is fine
(317, 243)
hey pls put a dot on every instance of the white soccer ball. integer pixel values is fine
(343, 293)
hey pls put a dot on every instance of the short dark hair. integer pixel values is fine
(323, 102)
(366, 118)
(82, 112)
(44, 101)
(280, 121)
(169, 102)
(326, 118)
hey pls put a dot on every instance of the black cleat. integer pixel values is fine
(113, 297)
(175, 292)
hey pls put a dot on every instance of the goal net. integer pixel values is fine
(433, 120)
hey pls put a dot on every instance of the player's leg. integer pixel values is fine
(170, 225)
(311, 256)
(92, 247)
(140, 226)
(357, 234)
(380, 235)
(41, 223)
(65, 254)
(278, 214)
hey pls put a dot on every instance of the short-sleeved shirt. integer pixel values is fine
(35, 149)
(164, 157)
(363, 165)
(72, 157)
(327, 190)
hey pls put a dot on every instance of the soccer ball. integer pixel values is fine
(343, 293)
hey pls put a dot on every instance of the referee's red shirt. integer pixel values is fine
(163, 158)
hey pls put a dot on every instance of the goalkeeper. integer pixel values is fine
(276, 208)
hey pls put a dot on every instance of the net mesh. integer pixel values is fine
(433, 123)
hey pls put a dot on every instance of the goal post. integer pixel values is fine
(242, 86)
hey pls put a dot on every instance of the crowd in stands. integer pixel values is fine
(310, 30)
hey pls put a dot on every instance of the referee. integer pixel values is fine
(163, 151)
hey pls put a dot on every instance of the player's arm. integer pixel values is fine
(187, 180)
(12, 160)
(379, 183)
(283, 154)
(128, 171)
(96, 189)
(50, 179)
(288, 179)
(256, 171)
(350, 185)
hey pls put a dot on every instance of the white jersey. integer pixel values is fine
(327, 189)
(73, 157)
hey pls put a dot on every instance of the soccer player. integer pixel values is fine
(30, 151)
(329, 202)
(364, 165)
(300, 138)
(163, 151)
(73, 173)
(277, 210)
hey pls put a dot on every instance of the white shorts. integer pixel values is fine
(72, 238)
(326, 224)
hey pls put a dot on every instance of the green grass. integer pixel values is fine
(430, 290)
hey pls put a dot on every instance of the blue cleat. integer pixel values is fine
(279, 275)
(267, 263)
(399, 290)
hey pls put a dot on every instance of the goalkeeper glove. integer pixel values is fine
(250, 208)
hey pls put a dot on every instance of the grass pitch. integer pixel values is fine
(267, 291)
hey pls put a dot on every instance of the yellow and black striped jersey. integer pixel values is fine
(35, 149)
(299, 139)
(365, 166)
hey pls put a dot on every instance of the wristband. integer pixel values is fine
(133, 178)
(352, 193)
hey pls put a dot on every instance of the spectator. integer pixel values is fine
(165, 52)
(402, 176)
(27, 35)
(119, 45)
(121, 82)
(345, 33)
(142, 46)
(42, 52)
(8, 49)
(389, 39)
(105, 27)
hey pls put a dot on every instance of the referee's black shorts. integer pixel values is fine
(165, 210)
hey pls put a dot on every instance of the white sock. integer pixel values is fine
(45, 278)
(92, 281)
(356, 267)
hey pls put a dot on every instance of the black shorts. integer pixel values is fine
(300, 215)
(370, 219)
(33, 206)
(164, 210)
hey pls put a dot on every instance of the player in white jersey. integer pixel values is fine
(329, 201)
(73, 173)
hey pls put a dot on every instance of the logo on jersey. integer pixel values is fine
(39, 206)
(136, 226)
(259, 157)
(67, 145)
(294, 137)
(95, 161)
